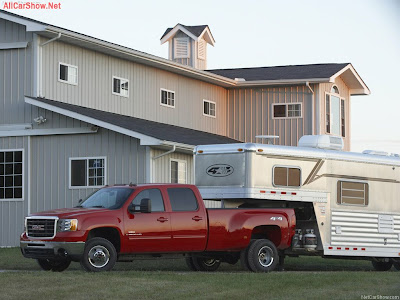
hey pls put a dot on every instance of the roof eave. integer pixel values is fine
(360, 89)
(280, 82)
(31, 26)
(177, 27)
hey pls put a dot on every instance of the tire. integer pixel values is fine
(381, 265)
(99, 255)
(397, 266)
(54, 265)
(262, 256)
(204, 264)
(190, 264)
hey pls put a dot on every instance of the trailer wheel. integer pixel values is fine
(397, 266)
(54, 265)
(190, 264)
(99, 255)
(206, 264)
(382, 265)
(262, 256)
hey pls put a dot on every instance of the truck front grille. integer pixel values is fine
(41, 228)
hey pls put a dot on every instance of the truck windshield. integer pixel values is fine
(111, 198)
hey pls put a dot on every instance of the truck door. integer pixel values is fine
(149, 232)
(188, 220)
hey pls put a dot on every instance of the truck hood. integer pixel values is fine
(64, 213)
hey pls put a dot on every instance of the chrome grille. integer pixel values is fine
(41, 227)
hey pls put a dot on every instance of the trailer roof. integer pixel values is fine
(298, 152)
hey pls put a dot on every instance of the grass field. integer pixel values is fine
(303, 278)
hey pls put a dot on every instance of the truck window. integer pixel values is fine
(182, 199)
(353, 193)
(287, 176)
(157, 203)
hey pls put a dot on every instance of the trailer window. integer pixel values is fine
(287, 176)
(353, 193)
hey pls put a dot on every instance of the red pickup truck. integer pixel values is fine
(121, 223)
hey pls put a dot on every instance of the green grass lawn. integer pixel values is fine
(303, 278)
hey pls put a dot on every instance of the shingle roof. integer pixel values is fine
(196, 30)
(161, 131)
(282, 72)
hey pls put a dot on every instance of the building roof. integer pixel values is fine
(282, 72)
(155, 130)
(196, 30)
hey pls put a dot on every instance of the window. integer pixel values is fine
(167, 98)
(178, 171)
(87, 172)
(111, 198)
(181, 47)
(209, 108)
(157, 203)
(120, 86)
(290, 110)
(182, 199)
(352, 193)
(11, 173)
(342, 117)
(335, 114)
(201, 51)
(328, 114)
(287, 176)
(68, 73)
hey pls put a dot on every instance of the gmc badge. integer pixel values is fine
(221, 170)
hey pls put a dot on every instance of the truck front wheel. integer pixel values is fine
(262, 256)
(99, 255)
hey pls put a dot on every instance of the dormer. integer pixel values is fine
(188, 44)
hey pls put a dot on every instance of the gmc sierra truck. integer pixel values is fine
(126, 222)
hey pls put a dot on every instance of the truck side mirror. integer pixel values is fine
(145, 205)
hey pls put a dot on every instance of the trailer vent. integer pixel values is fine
(322, 142)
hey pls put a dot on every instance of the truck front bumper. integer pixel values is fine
(52, 250)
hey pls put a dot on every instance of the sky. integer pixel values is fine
(267, 33)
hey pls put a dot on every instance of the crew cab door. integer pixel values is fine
(149, 232)
(188, 220)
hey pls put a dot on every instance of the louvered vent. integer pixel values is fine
(202, 49)
(181, 47)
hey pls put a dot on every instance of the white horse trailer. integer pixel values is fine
(349, 202)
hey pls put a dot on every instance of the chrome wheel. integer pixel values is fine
(265, 256)
(98, 256)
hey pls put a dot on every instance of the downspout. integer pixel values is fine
(165, 153)
(312, 107)
(41, 62)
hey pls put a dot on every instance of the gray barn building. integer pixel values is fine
(77, 112)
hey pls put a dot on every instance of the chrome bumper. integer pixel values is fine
(52, 250)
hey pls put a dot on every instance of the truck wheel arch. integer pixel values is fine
(109, 233)
(270, 232)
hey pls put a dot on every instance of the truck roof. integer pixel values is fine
(306, 152)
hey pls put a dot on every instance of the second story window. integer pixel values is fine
(120, 86)
(167, 98)
(68, 73)
(209, 108)
(289, 110)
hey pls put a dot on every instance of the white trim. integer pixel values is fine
(112, 86)
(286, 111)
(144, 139)
(364, 89)
(330, 114)
(70, 159)
(30, 25)
(14, 45)
(21, 126)
(204, 43)
(176, 40)
(23, 175)
(166, 105)
(178, 27)
(178, 161)
(29, 175)
(215, 109)
(50, 131)
(69, 66)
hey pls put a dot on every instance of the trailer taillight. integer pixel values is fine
(200, 151)
(240, 149)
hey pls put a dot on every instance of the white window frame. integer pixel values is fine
(87, 172)
(349, 204)
(215, 109)
(178, 161)
(186, 39)
(23, 175)
(168, 91)
(69, 66)
(287, 111)
(340, 114)
(112, 86)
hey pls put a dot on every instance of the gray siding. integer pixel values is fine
(95, 71)
(249, 114)
(12, 212)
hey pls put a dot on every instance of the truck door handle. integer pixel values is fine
(197, 218)
(162, 219)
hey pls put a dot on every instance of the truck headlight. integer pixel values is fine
(67, 225)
